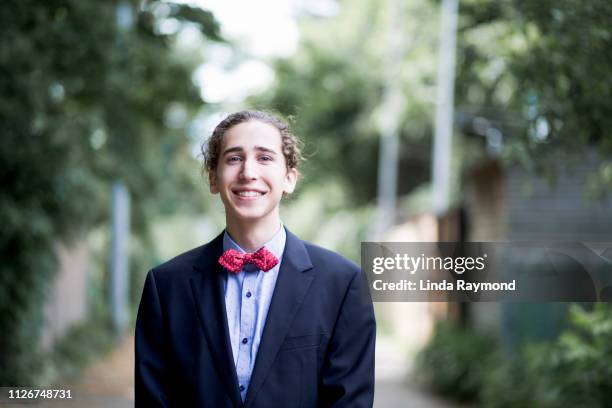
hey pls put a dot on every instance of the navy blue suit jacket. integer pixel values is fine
(317, 347)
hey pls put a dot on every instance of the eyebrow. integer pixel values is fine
(240, 149)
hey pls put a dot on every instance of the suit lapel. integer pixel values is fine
(207, 287)
(291, 287)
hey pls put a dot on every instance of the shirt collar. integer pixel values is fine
(276, 244)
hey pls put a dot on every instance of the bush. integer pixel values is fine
(573, 371)
(513, 381)
(456, 361)
(576, 370)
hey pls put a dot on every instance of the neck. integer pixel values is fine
(252, 235)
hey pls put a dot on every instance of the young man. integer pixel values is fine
(255, 318)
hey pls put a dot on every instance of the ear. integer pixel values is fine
(212, 182)
(290, 180)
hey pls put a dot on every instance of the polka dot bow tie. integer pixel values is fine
(234, 261)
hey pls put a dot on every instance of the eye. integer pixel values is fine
(234, 159)
(265, 158)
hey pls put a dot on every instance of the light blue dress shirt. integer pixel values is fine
(247, 300)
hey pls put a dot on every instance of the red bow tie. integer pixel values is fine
(234, 261)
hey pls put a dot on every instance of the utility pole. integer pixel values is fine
(120, 210)
(119, 271)
(443, 138)
(391, 109)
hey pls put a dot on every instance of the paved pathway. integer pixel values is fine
(394, 389)
(395, 394)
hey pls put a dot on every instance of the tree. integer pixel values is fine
(93, 93)
(539, 72)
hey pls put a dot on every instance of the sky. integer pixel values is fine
(262, 30)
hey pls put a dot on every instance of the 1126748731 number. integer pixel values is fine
(37, 393)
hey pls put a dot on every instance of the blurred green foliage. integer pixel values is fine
(574, 370)
(455, 361)
(536, 73)
(93, 93)
(539, 72)
(334, 87)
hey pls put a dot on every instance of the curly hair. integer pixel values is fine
(291, 145)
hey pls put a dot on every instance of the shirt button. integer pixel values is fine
(245, 340)
(248, 294)
(241, 388)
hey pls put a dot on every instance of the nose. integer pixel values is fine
(249, 170)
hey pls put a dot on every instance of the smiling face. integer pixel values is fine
(251, 175)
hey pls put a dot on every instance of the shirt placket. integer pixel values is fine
(247, 327)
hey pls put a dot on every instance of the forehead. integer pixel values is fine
(250, 134)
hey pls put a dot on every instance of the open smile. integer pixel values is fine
(248, 194)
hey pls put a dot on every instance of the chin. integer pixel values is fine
(250, 214)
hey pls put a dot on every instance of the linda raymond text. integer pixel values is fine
(444, 285)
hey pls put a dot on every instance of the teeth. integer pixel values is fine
(249, 193)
